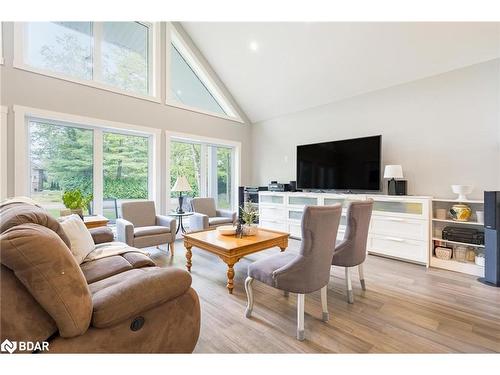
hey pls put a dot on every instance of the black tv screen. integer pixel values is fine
(351, 164)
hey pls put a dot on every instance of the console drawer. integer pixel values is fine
(272, 213)
(400, 227)
(415, 251)
(273, 224)
(295, 231)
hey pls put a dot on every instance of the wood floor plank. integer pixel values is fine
(406, 309)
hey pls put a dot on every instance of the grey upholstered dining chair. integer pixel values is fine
(305, 272)
(351, 251)
(207, 216)
(140, 226)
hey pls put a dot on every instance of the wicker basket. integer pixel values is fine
(443, 252)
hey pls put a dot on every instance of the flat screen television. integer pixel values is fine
(351, 164)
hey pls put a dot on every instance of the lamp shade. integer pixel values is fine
(181, 184)
(393, 171)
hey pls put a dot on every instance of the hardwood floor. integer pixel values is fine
(405, 309)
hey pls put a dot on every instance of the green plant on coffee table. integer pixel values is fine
(75, 200)
(249, 213)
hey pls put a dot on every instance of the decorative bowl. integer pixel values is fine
(226, 230)
(462, 191)
(460, 212)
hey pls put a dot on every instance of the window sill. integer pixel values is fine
(172, 103)
(94, 84)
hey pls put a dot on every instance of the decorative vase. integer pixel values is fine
(460, 212)
(249, 229)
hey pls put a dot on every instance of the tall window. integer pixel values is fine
(125, 170)
(61, 159)
(116, 54)
(208, 169)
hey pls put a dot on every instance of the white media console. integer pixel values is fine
(399, 228)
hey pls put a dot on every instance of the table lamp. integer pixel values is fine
(181, 184)
(395, 187)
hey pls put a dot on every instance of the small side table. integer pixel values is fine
(180, 225)
(95, 221)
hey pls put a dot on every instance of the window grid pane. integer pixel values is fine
(125, 56)
(185, 160)
(61, 159)
(61, 47)
(125, 171)
(187, 88)
(224, 177)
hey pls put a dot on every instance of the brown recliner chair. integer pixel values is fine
(119, 304)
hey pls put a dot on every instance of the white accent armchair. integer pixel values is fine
(206, 215)
(141, 227)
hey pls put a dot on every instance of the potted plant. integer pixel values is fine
(75, 202)
(249, 215)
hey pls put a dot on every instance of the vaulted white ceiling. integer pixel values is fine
(302, 65)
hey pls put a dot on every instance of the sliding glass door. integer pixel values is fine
(63, 157)
(209, 169)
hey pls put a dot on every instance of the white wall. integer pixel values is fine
(20, 87)
(443, 130)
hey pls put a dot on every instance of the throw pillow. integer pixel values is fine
(79, 237)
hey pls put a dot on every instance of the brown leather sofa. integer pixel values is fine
(118, 304)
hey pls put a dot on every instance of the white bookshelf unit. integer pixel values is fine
(399, 228)
(437, 227)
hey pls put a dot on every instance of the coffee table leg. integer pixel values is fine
(230, 277)
(189, 255)
(283, 248)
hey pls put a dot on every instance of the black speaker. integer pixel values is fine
(491, 238)
(492, 210)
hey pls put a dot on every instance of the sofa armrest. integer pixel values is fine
(125, 231)
(137, 294)
(198, 222)
(101, 235)
(169, 222)
(227, 213)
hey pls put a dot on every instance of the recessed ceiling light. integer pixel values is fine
(254, 46)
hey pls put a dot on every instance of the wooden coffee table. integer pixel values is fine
(231, 249)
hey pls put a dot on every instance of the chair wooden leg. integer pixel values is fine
(324, 303)
(300, 317)
(249, 290)
(171, 247)
(350, 296)
(361, 276)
